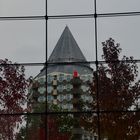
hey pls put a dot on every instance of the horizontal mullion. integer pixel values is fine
(23, 18)
(118, 14)
(94, 15)
(23, 64)
(92, 112)
(71, 16)
(93, 62)
(70, 112)
(66, 63)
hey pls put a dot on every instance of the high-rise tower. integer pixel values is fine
(66, 59)
(68, 79)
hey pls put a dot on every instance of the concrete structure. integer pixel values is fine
(66, 66)
(66, 59)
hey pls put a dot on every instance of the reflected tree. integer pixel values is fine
(117, 93)
(37, 123)
(13, 87)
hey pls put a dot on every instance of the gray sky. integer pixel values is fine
(24, 41)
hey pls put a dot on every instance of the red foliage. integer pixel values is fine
(54, 133)
(13, 86)
(39, 133)
(118, 92)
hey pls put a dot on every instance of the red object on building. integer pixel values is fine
(75, 74)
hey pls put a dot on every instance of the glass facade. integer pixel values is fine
(69, 70)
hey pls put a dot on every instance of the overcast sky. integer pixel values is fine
(24, 41)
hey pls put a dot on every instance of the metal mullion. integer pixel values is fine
(71, 16)
(68, 112)
(46, 64)
(103, 15)
(97, 86)
(93, 62)
(23, 64)
(92, 112)
(118, 14)
(22, 18)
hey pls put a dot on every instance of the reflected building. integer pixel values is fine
(69, 76)
(65, 60)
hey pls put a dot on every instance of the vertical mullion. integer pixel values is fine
(97, 80)
(46, 108)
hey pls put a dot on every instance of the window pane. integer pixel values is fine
(75, 126)
(113, 6)
(23, 41)
(21, 94)
(11, 125)
(33, 127)
(36, 97)
(117, 91)
(120, 125)
(125, 34)
(82, 31)
(22, 8)
(70, 7)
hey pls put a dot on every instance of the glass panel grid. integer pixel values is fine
(95, 122)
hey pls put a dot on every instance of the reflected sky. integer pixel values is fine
(24, 41)
(118, 6)
(22, 7)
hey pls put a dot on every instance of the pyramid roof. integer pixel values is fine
(67, 50)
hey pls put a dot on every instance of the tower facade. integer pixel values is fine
(68, 80)
(66, 60)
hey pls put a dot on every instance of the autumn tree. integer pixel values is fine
(13, 87)
(58, 126)
(117, 91)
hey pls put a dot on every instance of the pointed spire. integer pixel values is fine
(67, 49)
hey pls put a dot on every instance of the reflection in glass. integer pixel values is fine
(69, 87)
(49, 98)
(49, 79)
(84, 88)
(41, 90)
(61, 78)
(22, 8)
(49, 89)
(84, 78)
(41, 99)
(60, 98)
(69, 106)
(117, 6)
(41, 81)
(68, 97)
(60, 88)
(90, 78)
(68, 78)
(70, 7)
